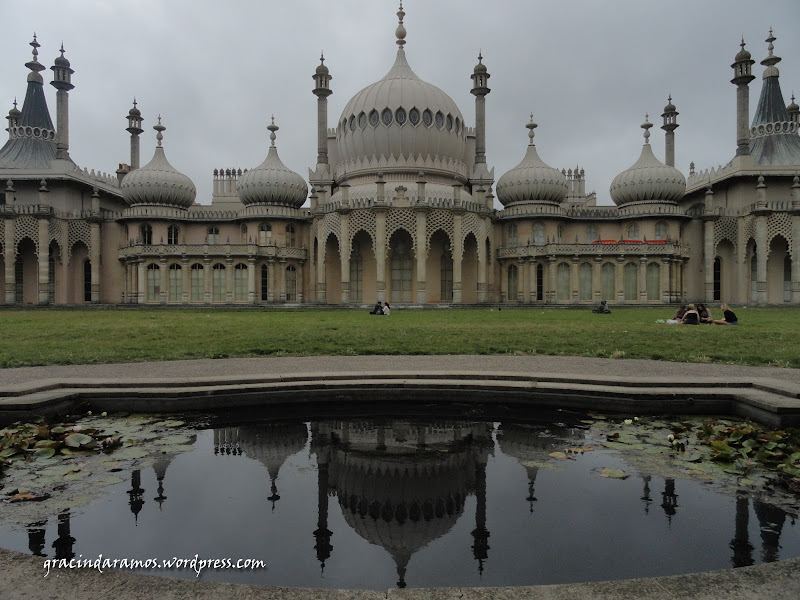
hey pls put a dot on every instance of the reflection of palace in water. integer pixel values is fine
(402, 484)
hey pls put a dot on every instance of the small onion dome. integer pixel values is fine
(480, 67)
(158, 182)
(272, 182)
(61, 61)
(648, 178)
(742, 54)
(793, 108)
(321, 68)
(670, 107)
(134, 112)
(14, 113)
(532, 179)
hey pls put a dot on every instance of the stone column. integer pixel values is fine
(208, 280)
(300, 282)
(94, 260)
(141, 282)
(271, 280)
(186, 281)
(552, 293)
(380, 254)
(503, 282)
(664, 277)
(708, 259)
(251, 280)
(320, 273)
(795, 285)
(574, 280)
(344, 255)
(597, 280)
(422, 255)
(164, 277)
(281, 280)
(10, 257)
(43, 259)
(458, 256)
(482, 258)
(643, 280)
(531, 280)
(619, 279)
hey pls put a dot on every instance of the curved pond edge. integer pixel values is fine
(771, 402)
(23, 578)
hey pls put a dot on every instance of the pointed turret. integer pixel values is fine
(670, 116)
(135, 129)
(794, 111)
(322, 89)
(62, 81)
(480, 89)
(742, 76)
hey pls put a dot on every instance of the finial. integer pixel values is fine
(400, 32)
(646, 126)
(272, 129)
(159, 128)
(62, 49)
(322, 57)
(15, 102)
(480, 56)
(531, 126)
(134, 102)
(669, 98)
(770, 39)
(742, 44)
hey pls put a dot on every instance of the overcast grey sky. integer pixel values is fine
(216, 71)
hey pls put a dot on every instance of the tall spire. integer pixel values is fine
(531, 126)
(400, 32)
(34, 65)
(771, 60)
(646, 126)
(272, 129)
(159, 128)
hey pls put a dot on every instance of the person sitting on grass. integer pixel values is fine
(728, 316)
(386, 309)
(602, 309)
(705, 314)
(377, 310)
(679, 313)
(691, 317)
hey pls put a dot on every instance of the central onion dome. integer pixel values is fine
(158, 182)
(532, 179)
(272, 182)
(401, 116)
(648, 179)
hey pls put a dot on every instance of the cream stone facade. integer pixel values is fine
(399, 208)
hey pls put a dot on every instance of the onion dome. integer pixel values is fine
(401, 116)
(742, 54)
(670, 107)
(321, 68)
(134, 112)
(793, 107)
(14, 113)
(158, 182)
(648, 178)
(532, 179)
(272, 182)
(61, 61)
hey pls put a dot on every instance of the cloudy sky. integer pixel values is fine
(589, 70)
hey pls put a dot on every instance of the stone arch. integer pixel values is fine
(401, 272)
(332, 264)
(26, 272)
(725, 253)
(439, 267)
(79, 252)
(363, 267)
(469, 269)
(779, 251)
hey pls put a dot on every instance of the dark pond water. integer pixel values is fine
(383, 502)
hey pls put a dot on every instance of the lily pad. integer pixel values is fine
(76, 440)
(43, 453)
(613, 473)
(558, 455)
(129, 453)
(172, 423)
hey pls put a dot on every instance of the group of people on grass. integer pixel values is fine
(688, 314)
(381, 310)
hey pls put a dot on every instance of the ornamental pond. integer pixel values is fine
(374, 501)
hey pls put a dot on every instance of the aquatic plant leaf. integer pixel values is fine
(176, 449)
(8, 452)
(58, 430)
(613, 473)
(558, 455)
(76, 440)
(129, 453)
(74, 452)
(110, 480)
(44, 452)
(28, 496)
(172, 423)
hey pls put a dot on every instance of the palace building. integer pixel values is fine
(400, 207)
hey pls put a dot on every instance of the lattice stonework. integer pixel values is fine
(471, 223)
(54, 231)
(26, 227)
(749, 229)
(438, 219)
(780, 224)
(401, 218)
(725, 228)
(362, 220)
(79, 231)
(331, 224)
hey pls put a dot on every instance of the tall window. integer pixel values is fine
(172, 235)
(585, 281)
(539, 282)
(87, 280)
(356, 275)
(562, 282)
(446, 269)
(754, 277)
(291, 283)
(264, 234)
(512, 235)
(243, 230)
(632, 232)
(609, 291)
(218, 283)
(401, 267)
(18, 280)
(51, 278)
(538, 233)
(213, 235)
(631, 281)
(264, 283)
(592, 234)
(198, 287)
(290, 236)
(717, 279)
(146, 233)
(661, 230)
(653, 283)
(175, 283)
(240, 283)
(513, 286)
(153, 282)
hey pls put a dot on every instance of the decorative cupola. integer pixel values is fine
(272, 182)
(670, 116)
(135, 129)
(62, 81)
(322, 89)
(742, 76)
(480, 89)
(13, 116)
(648, 180)
(794, 111)
(158, 183)
(532, 180)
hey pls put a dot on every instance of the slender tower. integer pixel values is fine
(670, 116)
(742, 76)
(322, 89)
(62, 81)
(135, 129)
(480, 88)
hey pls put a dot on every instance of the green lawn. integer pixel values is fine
(766, 336)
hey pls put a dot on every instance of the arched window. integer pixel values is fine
(513, 286)
(243, 230)
(264, 283)
(631, 281)
(218, 283)
(717, 279)
(585, 281)
(290, 236)
(291, 283)
(446, 269)
(213, 235)
(51, 277)
(198, 287)
(356, 274)
(401, 266)
(172, 235)
(153, 282)
(609, 291)
(538, 233)
(240, 283)
(653, 283)
(560, 232)
(754, 277)
(146, 233)
(264, 234)
(175, 283)
(661, 230)
(592, 234)
(87, 280)
(632, 233)
(512, 235)
(562, 282)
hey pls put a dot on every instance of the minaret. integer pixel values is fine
(135, 129)
(62, 81)
(480, 88)
(322, 89)
(13, 117)
(793, 109)
(670, 116)
(742, 76)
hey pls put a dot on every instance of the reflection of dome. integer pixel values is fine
(532, 179)
(401, 116)
(648, 179)
(158, 182)
(272, 182)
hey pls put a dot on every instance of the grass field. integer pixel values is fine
(766, 336)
